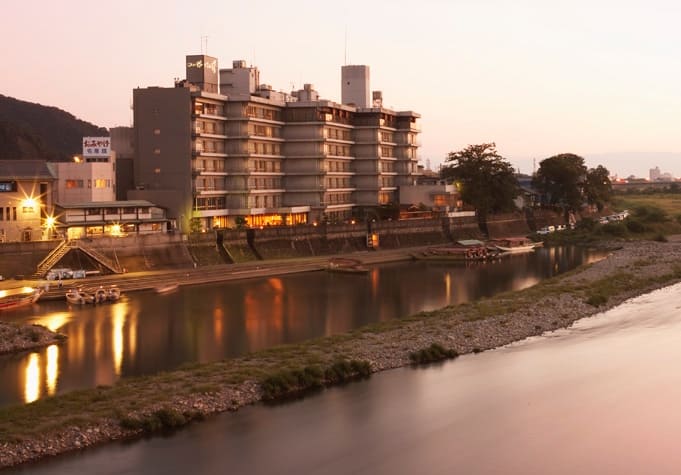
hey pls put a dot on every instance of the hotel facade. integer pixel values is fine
(220, 149)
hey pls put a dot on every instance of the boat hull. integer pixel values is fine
(16, 298)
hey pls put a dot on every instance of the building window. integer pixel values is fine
(157, 131)
(100, 183)
(157, 151)
(94, 211)
(74, 184)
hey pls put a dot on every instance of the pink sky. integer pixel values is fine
(538, 78)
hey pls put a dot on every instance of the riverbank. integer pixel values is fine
(135, 406)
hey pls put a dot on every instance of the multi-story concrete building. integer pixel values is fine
(26, 200)
(262, 157)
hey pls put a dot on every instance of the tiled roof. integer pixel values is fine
(25, 170)
(108, 204)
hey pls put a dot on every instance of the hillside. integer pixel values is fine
(34, 131)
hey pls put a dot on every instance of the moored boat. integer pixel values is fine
(113, 293)
(167, 288)
(346, 265)
(79, 297)
(20, 297)
(514, 245)
(467, 250)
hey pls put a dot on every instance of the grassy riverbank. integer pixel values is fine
(136, 406)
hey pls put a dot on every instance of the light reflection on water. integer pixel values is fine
(145, 333)
(601, 397)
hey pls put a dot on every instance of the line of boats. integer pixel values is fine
(101, 294)
(474, 250)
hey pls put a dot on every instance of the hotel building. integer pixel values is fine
(251, 155)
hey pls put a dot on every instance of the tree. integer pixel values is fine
(484, 178)
(561, 179)
(598, 188)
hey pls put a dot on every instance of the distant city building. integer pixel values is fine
(264, 157)
(656, 175)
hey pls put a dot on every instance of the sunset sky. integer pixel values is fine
(599, 78)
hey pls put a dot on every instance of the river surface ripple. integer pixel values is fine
(601, 397)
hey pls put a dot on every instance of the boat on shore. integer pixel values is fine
(20, 297)
(167, 288)
(346, 265)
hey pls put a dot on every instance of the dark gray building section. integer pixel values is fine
(123, 143)
(163, 164)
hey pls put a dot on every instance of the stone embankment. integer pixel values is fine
(633, 269)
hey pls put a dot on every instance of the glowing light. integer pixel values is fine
(77, 159)
(50, 221)
(119, 312)
(28, 204)
(32, 385)
(116, 230)
(52, 369)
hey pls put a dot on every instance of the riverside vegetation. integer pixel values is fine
(142, 405)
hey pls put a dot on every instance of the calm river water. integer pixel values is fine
(146, 332)
(601, 397)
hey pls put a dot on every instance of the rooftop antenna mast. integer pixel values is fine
(204, 41)
(346, 45)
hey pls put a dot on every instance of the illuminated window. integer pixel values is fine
(100, 183)
(74, 184)
(157, 131)
(157, 151)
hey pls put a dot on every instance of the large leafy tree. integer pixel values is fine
(561, 179)
(598, 188)
(485, 179)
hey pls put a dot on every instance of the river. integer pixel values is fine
(600, 397)
(145, 332)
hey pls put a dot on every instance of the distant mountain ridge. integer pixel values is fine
(35, 131)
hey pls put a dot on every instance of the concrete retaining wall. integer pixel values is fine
(173, 251)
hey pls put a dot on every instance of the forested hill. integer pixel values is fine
(34, 131)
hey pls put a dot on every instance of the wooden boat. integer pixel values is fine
(79, 297)
(100, 294)
(346, 265)
(167, 288)
(473, 252)
(105, 294)
(20, 297)
(113, 293)
(514, 245)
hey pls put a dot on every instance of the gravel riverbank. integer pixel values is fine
(633, 269)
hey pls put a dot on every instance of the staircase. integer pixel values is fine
(63, 248)
(98, 256)
(51, 259)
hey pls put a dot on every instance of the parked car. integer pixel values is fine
(59, 274)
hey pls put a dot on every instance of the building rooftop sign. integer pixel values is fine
(96, 146)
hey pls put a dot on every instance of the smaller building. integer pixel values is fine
(435, 197)
(26, 197)
(109, 218)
